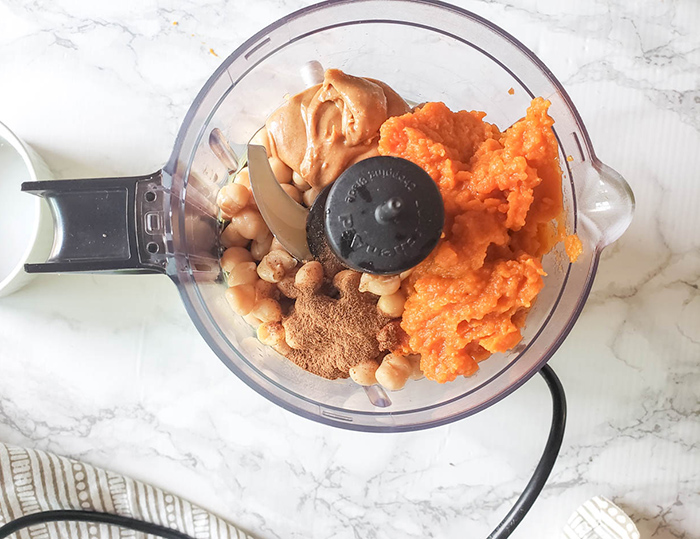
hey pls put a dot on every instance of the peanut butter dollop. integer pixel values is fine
(326, 128)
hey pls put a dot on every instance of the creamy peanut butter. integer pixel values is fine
(328, 127)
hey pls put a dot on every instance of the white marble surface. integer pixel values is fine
(109, 369)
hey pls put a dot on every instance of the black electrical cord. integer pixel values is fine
(546, 463)
(93, 517)
(503, 530)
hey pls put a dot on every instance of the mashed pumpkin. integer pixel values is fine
(502, 196)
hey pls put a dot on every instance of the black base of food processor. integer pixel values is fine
(503, 530)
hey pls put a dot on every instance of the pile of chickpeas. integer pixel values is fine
(258, 268)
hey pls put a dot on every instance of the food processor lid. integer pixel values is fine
(383, 215)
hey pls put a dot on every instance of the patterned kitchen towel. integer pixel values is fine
(599, 518)
(32, 481)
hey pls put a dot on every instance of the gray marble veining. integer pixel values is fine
(111, 371)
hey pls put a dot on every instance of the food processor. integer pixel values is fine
(166, 222)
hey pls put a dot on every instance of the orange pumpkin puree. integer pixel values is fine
(502, 195)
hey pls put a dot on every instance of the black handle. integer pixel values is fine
(105, 224)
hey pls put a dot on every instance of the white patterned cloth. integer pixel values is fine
(33, 481)
(599, 518)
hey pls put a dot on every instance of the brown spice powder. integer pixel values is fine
(392, 338)
(329, 336)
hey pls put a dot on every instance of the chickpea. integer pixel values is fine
(416, 372)
(275, 265)
(394, 372)
(252, 320)
(243, 273)
(252, 203)
(292, 272)
(241, 298)
(282, 172)
(283, 348)
(261, 138)
(267, 310)
(379, 285)
(264, 231)
(406, 274)
(292, 192)
(309, 277)
(231, 238)
(299, 182)
(260, 247)
(287, 287)
(276, 245)
(233, 256)
(364, 373)
(292, 342)
(309, 196)
(392, 305)
(232, 198)
(263, 289)
(271, 333)
(243, 178)
(250, 224)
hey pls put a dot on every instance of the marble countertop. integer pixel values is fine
(109, 369)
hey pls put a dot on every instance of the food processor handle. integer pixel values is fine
(113, 225)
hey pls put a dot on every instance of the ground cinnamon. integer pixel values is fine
(392, 338)
(328, 336)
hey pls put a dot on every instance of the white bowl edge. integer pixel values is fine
(41, 238)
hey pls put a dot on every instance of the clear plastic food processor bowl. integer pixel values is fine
(426, 51)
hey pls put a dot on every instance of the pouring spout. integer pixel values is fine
(606, 203)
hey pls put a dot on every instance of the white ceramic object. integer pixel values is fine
(599, 518)
(26, 228)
